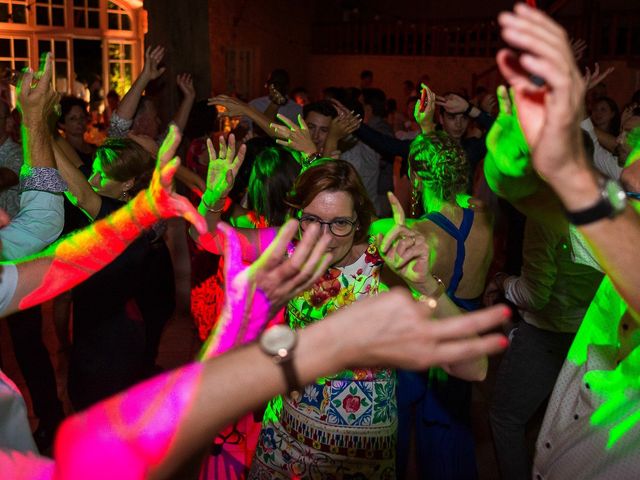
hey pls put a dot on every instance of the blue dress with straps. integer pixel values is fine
(437, 403)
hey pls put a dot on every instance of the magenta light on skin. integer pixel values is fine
(128, 435)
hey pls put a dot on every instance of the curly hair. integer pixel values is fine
(441, 166)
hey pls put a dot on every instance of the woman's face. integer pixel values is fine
(602, 115)
(103, 185)
(334, 206)
(75, 122)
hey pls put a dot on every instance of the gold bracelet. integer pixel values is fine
(432, 299)
(209, 208)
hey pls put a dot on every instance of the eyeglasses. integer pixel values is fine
(340, 227)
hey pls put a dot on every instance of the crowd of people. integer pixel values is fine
(343, 277)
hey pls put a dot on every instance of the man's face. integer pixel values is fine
(455, 124)
(318, 128)
(147, 122)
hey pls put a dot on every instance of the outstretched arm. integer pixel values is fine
(149, 430)
(77, 257)
(185, 83)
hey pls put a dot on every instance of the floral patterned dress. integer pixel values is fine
(343, 426)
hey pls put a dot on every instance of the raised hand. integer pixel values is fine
(185, 84)
(424, 110)
(233, 106)
(294, 136)
(578, 47)
(452, 103)
(549, 115)
(163, 200)
(152, 59)
(253, 295)
(223, 169)
(593, 79)
(405, 251)
(505, 141)
(344, 124)
(35, 94)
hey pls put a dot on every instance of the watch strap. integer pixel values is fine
(600, 210)
(289, 372)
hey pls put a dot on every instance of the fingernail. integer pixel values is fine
(504, 342)
(506, 312)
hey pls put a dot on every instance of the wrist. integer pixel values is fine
(576, 186)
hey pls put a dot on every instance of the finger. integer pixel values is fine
(147, 52)
(210, 150)
(504, 102)
(305, 246)
(231, 148)
(465, 325)
(168, 171)
(286, 121)
(237, 162)
(284, 143)
(316, 265)
(302, 123)
(390, 237)
(222, 148)
(45, 68)
(169, 145)
(459, 350)
(396, 208)
(232, 252)
(277, 250)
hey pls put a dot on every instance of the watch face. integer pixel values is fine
(279, 337)
(617, 196)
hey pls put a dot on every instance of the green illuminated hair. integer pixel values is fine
(441, 167)
(122, 159)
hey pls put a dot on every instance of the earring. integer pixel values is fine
(414, 202)
(124, 196)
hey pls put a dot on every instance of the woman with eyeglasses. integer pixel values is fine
(344, 424)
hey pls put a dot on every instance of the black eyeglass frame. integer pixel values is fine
(302, 216)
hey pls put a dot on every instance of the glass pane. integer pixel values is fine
(78, 3)
(19, 13)
(94, 19)
(114, 78)
(20, 48)
(44, 46)
(57, 2)
(61, 49)
(42, 15)
(114, 51)
(93, 3)
(58, 17)
(5, 47)
(128, 51)
(128, 75)
(21, 65)
(113, 21)
(112, 6)
(126, 22)
(78, 19)
(4, 12)
(5, 69)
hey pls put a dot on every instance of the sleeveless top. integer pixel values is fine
(460, 235)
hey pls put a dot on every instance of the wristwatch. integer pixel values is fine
(279, 342)
(612, 202)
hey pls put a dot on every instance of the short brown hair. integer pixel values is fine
(327, 175)
(122, 159)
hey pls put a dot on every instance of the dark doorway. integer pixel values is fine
(87, 60)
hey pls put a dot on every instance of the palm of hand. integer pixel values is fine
(532, 113)
(219, 175)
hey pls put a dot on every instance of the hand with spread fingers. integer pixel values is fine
(185, 84)
(35, 94)
(222, 171)
(593, 79)
(294, 136)
(254, 294)
(424, 110)
(405, 251)
(233, 106)
(345, 123)
(152, 59)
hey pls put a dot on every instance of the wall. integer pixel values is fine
(446, 73)
(277, 31)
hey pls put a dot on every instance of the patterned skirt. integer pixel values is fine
(340, 428)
